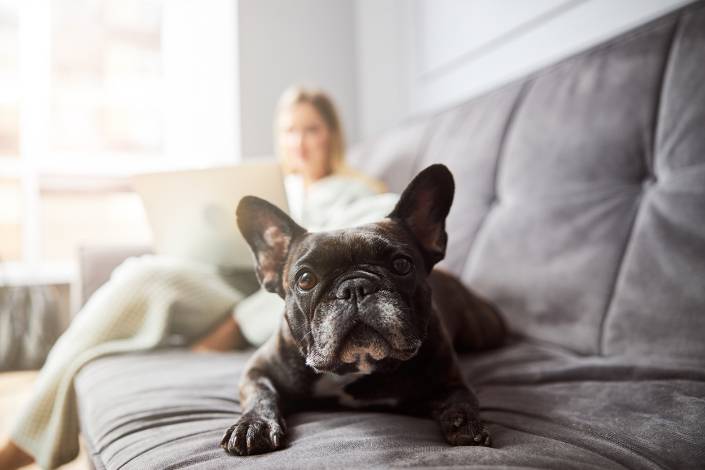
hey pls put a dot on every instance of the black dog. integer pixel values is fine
(361, 323)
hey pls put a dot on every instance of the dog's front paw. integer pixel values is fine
(462, 427)
(253, 434)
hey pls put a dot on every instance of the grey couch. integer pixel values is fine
(580, 211)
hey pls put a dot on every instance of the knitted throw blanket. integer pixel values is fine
(146, 300)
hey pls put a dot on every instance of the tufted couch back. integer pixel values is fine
(580, 201)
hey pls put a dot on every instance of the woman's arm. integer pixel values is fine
(224, 337)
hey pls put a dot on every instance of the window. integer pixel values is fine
(88, 94)
(104, 110)
(10, 183)
(9, 80)
(107, 75)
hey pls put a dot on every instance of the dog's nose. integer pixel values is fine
(358, 287)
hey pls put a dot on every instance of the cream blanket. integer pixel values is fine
(153, 299)
(146, 299)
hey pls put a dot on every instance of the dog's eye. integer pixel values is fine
(401, 265)
(307, 280)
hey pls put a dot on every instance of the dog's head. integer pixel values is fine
(357, 299)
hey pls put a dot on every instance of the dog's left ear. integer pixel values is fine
(270, 233)
(423, 208)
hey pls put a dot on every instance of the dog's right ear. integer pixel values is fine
(269, 232)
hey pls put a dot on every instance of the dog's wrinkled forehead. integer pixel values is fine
(364, 244)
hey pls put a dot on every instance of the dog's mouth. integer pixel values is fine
(363, 347)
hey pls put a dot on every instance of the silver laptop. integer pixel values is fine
(192, 212)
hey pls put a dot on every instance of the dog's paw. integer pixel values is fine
(253, 434)
(462, 427)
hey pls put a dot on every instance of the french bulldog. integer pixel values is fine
(368, 321)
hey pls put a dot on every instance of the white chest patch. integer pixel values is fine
(332, 385)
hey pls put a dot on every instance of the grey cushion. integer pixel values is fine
(546, 408)
(659, 300)
(580, 211)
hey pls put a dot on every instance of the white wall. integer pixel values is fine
(201, 123)
(415, 56)
(385, 60)
(292, 41)
(384, 44)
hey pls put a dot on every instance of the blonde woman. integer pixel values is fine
(151, 299)
(311, 146)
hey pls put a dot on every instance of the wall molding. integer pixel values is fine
(506, 37)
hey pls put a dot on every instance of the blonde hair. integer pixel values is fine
(322, 103)
(325, 107)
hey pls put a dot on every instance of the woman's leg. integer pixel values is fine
(131, 312)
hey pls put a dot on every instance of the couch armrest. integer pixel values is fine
(96, 264)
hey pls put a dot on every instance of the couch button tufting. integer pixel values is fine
(648, 182)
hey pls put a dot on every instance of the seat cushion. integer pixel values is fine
(545, 407)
